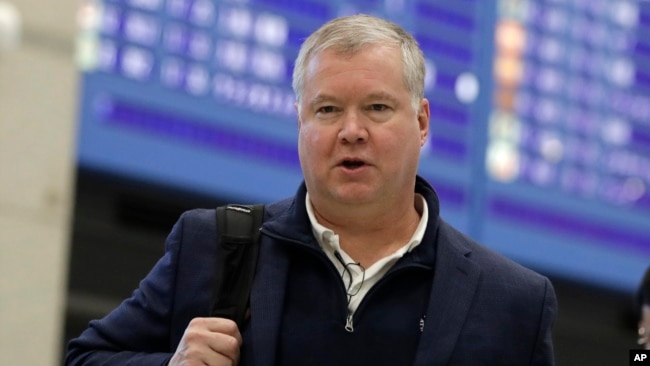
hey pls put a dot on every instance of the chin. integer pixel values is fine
(356, 195)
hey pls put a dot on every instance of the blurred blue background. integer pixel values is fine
(540, 135)
(539, 143)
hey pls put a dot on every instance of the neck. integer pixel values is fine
(368, 234)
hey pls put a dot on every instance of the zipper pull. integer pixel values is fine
(349, 327)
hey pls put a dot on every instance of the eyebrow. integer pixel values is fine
(382, 96)
(321, 98)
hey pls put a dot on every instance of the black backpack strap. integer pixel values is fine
(237, 250)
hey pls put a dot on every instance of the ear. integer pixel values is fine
(424, 117)
(295, 106)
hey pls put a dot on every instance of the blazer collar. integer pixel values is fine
(455, 280)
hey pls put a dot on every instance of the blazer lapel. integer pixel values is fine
(267, 297)
(454, 284)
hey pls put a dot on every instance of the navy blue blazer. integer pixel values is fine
(483, 308)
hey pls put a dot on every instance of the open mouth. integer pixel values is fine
(352, 163)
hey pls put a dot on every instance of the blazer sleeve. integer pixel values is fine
(137, 332)
(543, 354)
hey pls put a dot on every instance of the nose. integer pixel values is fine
(353, 129)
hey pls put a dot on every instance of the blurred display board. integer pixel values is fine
(540, 131)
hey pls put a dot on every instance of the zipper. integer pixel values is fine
(349, 325)
(349, 319)
(349, 322)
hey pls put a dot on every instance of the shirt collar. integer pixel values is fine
(327, 238)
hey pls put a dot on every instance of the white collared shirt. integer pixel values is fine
(363, 282)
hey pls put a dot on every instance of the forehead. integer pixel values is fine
(349, 53)
(375, 64)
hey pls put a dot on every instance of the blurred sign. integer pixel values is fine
(540, 131)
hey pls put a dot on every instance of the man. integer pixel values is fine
(358, 268)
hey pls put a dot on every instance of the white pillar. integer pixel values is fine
(37, 129)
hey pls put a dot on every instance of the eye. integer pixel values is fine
(378, 107)
(326, 109)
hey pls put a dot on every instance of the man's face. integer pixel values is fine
(359, 137)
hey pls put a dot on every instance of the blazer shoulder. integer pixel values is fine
(207, 216)
(496, 265)
(199, 216)
(196, 227)
(279, 208)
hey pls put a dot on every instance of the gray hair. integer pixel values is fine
(347, 35)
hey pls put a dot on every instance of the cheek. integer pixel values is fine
(308, 144)
(312, 139)
(404, 139)
(305, 139)
(307, 135)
